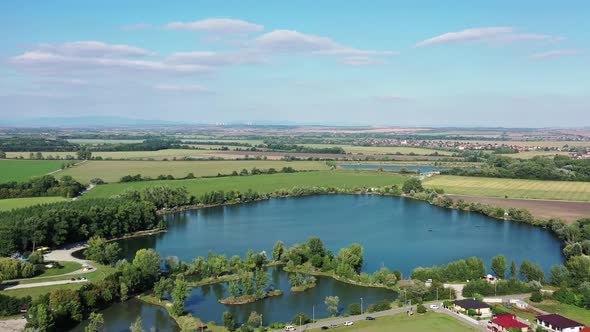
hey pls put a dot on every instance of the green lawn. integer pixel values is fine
(64, 267)
(22, 170)
(513, 188)
(572, 312)
(16, 203)
(417, 323)
(262, 183)
(112, 171)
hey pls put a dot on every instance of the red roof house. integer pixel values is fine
(503, 323)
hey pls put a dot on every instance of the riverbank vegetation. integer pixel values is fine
(46, 185)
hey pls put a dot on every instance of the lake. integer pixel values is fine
(395, 232)
(421, 168)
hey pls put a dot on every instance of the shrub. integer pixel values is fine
(421, 308)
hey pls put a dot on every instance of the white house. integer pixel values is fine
(558, 323)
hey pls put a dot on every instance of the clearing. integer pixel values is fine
(17, 203)
(261, 183)
(112, 171)
(513, 188)
(22, 170)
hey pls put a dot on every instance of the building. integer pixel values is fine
(558, 323)
(520, 304)
(504, 323)
(481, 309)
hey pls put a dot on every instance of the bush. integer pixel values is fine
(354, 309)
(536, 297)
(421, 308)
(301, 318)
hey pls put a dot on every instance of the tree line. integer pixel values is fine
(45, 185)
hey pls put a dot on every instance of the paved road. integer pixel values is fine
(340, 321)
(41, 284)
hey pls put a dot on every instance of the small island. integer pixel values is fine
(301, 282)
(249, 287)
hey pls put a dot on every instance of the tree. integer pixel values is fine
(95, 323)
(278, 250)
(2, 155)
(536, 296)
(254, 319)
(332, 304)
(354, 309)
(412, 185)
(229, 321)
(301, 318)
(164, 285)
(513, 270)
(499, 266)
(260, 283)
(579, 269)
(234, 288)
(40, 318)
(102, 251)
(530, 271)
(559, 275)
(179, 295)
(421, 308)
(137, 326)
(148, 262)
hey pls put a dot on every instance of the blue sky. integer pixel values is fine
(405, 63)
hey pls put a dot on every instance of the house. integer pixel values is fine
(520, 304)
(464, 306)
(506, 323)
(586, 329)
(558, 323)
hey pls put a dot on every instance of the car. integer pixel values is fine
(84, 279)
(290, 328)
(334, 326)
(434, 306)
(72, 279)
(370, 318)
(325, 328)
(348, 323)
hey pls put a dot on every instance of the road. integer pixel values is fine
(45, 283)
(340, 320)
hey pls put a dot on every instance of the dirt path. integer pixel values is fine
(12, 325)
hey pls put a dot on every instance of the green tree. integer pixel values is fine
(229, 321)
(301, 318)
(137, 326)
(40, 318)
(254, 320)
(260, 283)
(102, 251)
(499, 266)
(179, 295)
(2, 155)
(332, 304)
(164, 285)
(354, 309)
(530, 271)
(513, 270)
(278, 250)
(148, 262)
(579, 269)
(234, 288)
(421, 308)
(95, 323)
(412, 185)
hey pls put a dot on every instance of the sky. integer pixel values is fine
(399, 63)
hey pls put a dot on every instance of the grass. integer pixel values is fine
(22, 170)
(17, 203)
(572, 312)
(513, 188)
(65, 267)
(261, 183)
(418, 323)
(137, 155)
(531, 154)
(99, 273)
(112, 171)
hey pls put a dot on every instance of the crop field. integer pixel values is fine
(22, 170)
(112, 171)
(381, 149)
(556, 144)
(16, 203)
(531, 154)
(213, 139)
(86, 141)
(417, 323)
(261, 183)
(513, 188)
(156, 155)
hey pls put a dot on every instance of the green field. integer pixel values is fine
(157, 155)
(22, 170)
(92, 141)
(572, 312)
(417, 323)
(16, 203)
(112, 171)
(513, 188)
(531, 154)
(261, 183)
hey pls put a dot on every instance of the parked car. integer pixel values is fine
(434, 306)
(348, 323)
(290, 328)
(370, 318)
(334, 326)
(325, 328)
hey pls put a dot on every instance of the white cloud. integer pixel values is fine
(182, 88)
(217, 26)
(94, 49)
(290, 41)
(360, 61)
(554, 54)
(51, 62)
(138, 26)
(486, 34)
(216, 58)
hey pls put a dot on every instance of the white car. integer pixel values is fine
(434, 306)
(290, 328)
(348, 323)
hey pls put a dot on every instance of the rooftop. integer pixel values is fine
(471, 304)
(559, 321)
(508, 321)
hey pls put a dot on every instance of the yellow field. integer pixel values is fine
(113, 170)
(513, 188)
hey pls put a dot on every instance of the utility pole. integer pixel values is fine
(436, 294)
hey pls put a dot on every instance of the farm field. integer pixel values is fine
(213, 139)
(513, 188)
(417, 323)
(556, 144)
(92, 141)
(381, 149)
(260, 183)
(159, 154)
(531, 154)
(112, 171)
(22, 170)
(16, 203)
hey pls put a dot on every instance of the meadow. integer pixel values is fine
(531, 154)
(16, 203)
(156, 155)
(513, 188)
(572, 312)
(261, 183)
(112, 171)
(417, 323)
(22, 170)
